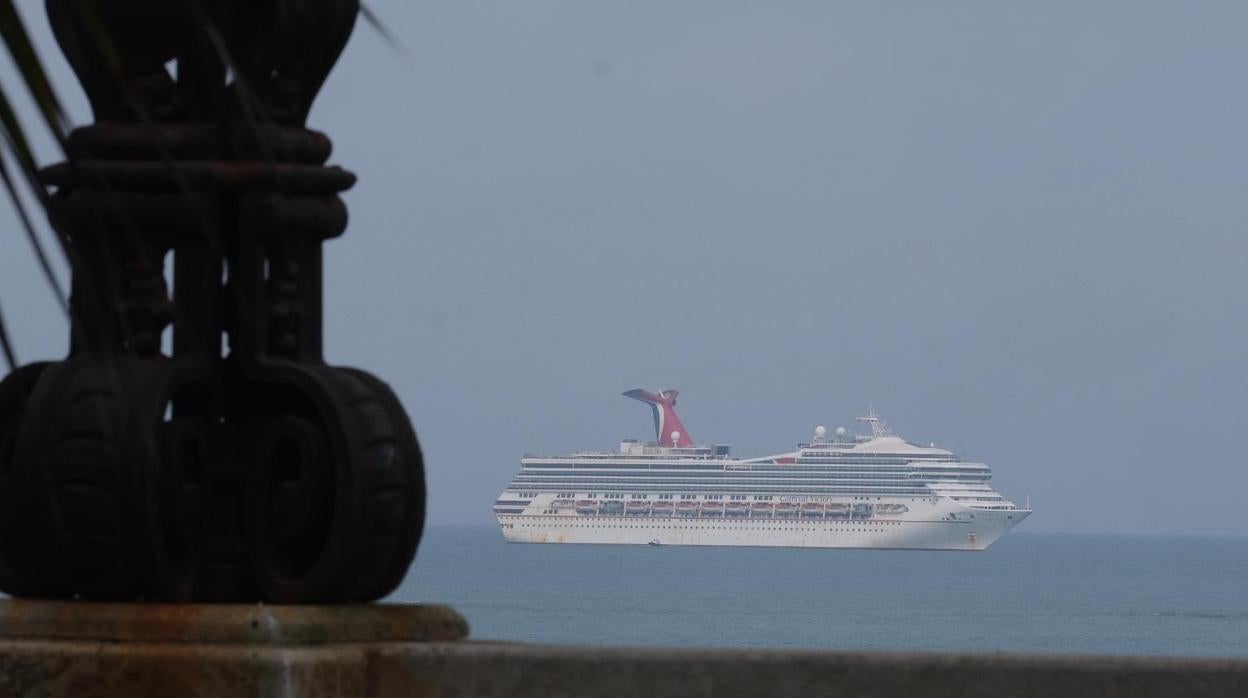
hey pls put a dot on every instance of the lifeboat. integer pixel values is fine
(611, 506)
(786, 509)
(863, 511)
(637, 508)
(712, 509)
(686, 508)
(762, 510)
(891, 509)
(813, 510)
(587, 506)
(661, 509)
(838, 511)
(736, 509)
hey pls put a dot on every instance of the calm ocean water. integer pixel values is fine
(1028, 593)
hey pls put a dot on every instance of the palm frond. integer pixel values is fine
(6, 346)
(14, 142)
(248, 101)
(17, 145)
(382, 30)
(13, 135)
(33, 237)
(30, 68)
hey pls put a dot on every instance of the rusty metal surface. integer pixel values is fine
(194, 445)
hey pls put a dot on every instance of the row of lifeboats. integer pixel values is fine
(753, 510)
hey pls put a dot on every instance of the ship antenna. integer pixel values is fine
(879, 427)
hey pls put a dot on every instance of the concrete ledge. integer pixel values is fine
(391, 670)
(109, 650)
(106, 651)
(253, 624)
(480, 669)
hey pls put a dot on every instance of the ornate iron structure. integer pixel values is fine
(194, 445)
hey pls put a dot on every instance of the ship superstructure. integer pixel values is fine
(842, 490)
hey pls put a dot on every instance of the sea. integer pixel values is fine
(1030, 592)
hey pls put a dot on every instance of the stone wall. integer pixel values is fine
(110, 651)
(479, 669)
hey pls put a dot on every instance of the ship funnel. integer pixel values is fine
(667, 427)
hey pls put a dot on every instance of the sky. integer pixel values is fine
(1015, 228)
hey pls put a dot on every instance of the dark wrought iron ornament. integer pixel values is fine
(233, 465)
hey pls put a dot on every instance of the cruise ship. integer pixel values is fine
(841, 490)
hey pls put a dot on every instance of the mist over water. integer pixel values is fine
(1028, 593)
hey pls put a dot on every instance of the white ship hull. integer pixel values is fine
(940, 525)
(842, 491)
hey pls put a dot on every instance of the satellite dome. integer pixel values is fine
(675, 438)
(821, 431)
(840, 431)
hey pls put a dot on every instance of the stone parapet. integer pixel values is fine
(487, 670)
(253, 625)
(391, 651)
(111, 650)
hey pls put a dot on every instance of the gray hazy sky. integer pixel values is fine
(1016, 227)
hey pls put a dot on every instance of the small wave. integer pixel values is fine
(1203, 615)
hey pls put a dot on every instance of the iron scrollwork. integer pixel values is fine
(194, 445)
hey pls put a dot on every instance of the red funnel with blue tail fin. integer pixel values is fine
(665, 420)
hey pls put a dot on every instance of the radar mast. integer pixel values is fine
(879, 428)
